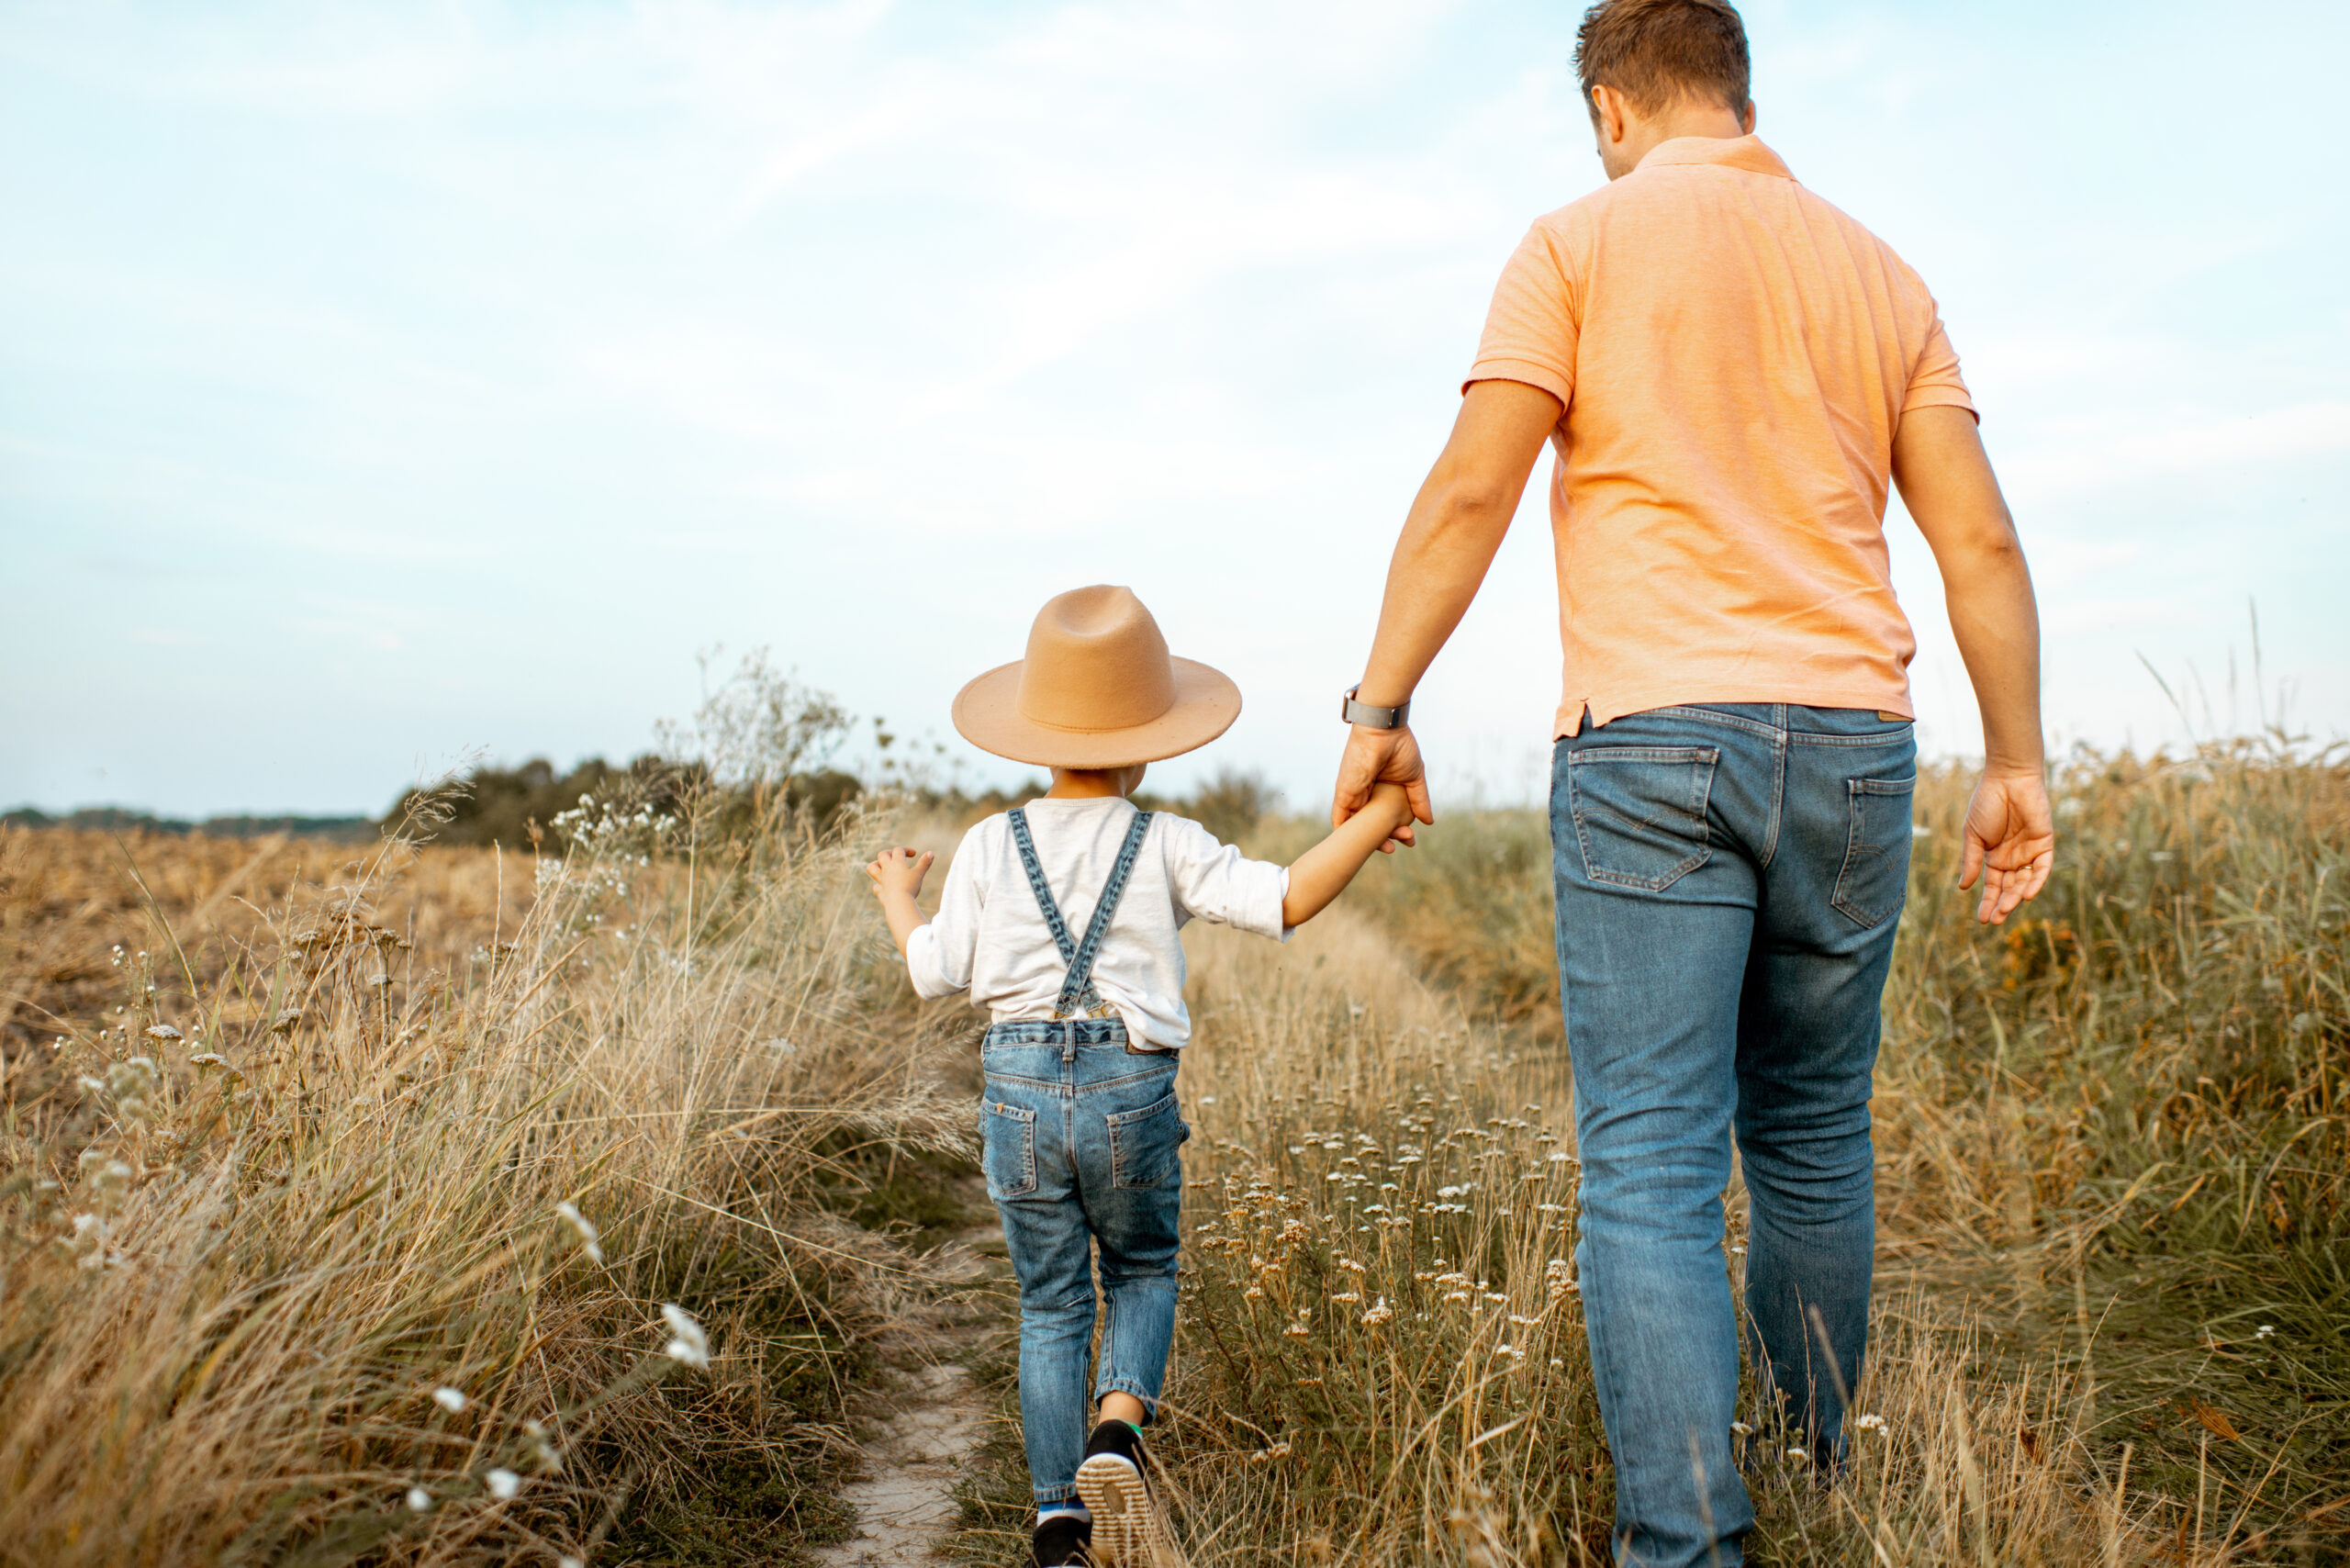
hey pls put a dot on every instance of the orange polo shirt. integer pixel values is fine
(1734, 355)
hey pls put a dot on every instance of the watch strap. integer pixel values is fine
(1372, 717)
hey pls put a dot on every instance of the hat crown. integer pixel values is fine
(1096, 661)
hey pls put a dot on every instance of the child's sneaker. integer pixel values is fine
(1129, 1531)
(1062, 1538)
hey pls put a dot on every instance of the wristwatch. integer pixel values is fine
(1371, 718)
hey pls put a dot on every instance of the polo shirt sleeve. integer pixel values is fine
(941, 954)
(1935, 382)
(1532, 327)
(1215, 882)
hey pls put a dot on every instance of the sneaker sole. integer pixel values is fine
(1127, 1529)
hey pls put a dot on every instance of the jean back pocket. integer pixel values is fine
(1875, 875)
(1008, 1150)
(1640, 812)
(1143, 1144)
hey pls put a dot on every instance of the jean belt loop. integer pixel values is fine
(1068, 1044)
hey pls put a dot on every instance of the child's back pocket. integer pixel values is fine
(1144, 1143)
(1008, 1150)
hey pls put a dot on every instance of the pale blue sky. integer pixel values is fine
(379, 383)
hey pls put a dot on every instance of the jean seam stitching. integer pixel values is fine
(1753, 726)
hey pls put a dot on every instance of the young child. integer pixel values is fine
(1060, 918)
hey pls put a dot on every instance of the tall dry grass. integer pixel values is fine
(1384, 1361)
(2110, 1327)
(291, 1273)
(2111, 1138)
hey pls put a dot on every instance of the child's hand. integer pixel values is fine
(1390, 803)
(900, 872)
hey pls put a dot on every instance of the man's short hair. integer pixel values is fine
(1655, 51)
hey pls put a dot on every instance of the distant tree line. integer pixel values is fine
(760, 742)
(116, 819)
(517, 807)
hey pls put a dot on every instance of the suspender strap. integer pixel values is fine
(1053, 922)
(1080, 973)
(1076, 991)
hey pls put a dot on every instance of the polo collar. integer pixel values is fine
(1745, 152)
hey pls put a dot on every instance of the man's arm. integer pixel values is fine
(1456, 523)
(1947, 484)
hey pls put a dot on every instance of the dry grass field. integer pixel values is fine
(297, 1284)
(438, 1207)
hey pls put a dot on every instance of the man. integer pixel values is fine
(1731, 371)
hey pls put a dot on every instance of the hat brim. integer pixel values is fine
(986, 713)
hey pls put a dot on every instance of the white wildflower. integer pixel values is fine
(504, 1483)
(450, 1399)
(691, 1345)
(1869, 1423)
(420, 1499)
(548, 1456)
(1799, 1456)
(1741, 1430)
(163, 1031)
(586, 1230)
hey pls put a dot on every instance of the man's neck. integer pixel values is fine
(1644, 134)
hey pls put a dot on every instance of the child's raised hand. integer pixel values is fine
(900, 872)
(1390, 802)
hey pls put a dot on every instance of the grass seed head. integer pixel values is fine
(689, 1345)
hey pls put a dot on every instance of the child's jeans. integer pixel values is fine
(1082, 1136)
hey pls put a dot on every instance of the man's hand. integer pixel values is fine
(899, 871)
(2011, 842)
(1377, 756)
(1947, 484)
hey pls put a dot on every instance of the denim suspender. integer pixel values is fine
(1076, 991)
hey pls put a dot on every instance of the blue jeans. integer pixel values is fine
(1730, 878)
(1081, 1146)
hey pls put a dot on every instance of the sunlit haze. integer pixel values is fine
(381, 385)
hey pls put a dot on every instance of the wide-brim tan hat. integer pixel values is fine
(1098, 689)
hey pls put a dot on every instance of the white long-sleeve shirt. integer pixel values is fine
(991, 938)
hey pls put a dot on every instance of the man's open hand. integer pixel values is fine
(2011, 842)
(1375, 757)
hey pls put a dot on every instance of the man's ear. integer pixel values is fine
(1607, 114)
(1746, 120)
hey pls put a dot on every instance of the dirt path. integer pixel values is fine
(921, 1425)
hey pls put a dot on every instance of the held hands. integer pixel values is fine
(1390, 802)
(1373, 757)
(2011, 842)
(899, 870)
